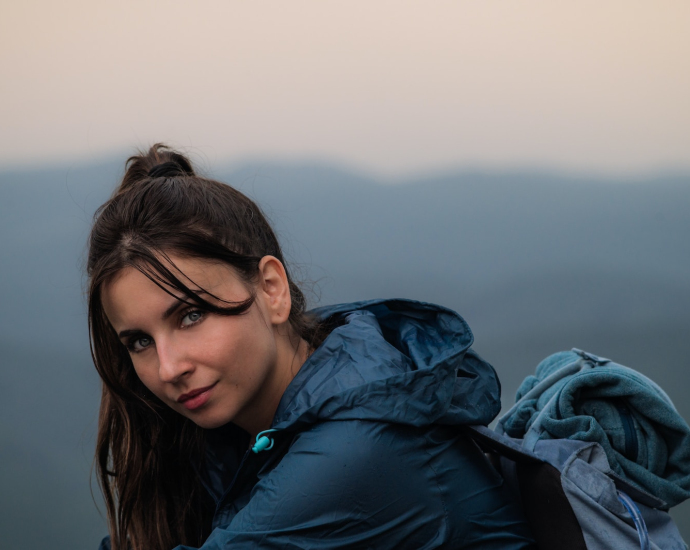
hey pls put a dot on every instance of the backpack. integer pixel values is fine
(587, 494)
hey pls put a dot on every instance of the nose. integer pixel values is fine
(173, 363)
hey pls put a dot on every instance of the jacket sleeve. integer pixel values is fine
(356, 484)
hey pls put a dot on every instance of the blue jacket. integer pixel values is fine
(366, 451)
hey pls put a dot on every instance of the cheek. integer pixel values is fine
(145, 366)
(148, 374)
(244, 348)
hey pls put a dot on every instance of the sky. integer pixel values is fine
(393, 87)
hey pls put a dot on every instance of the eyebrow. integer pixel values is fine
(177, 304)
(129, 332)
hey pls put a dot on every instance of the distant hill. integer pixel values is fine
(535, 262)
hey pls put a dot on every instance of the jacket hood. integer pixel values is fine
(396, 361)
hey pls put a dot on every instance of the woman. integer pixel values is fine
(231, 418)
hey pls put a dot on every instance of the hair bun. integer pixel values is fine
(167, 169)
(158, 162)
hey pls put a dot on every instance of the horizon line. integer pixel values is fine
(205, 166)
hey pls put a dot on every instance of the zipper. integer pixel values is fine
(631, 444)
(627, 422)
(249, 467)
(230, 487)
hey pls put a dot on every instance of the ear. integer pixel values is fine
(274, 289)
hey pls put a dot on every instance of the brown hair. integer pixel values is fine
(147, 455)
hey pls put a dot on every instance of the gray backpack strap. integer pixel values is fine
(490, 441)
(538, 483)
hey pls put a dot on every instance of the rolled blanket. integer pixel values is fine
(577, 395)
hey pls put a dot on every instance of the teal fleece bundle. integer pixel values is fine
(577, 395)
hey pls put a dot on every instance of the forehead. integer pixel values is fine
(131, 294)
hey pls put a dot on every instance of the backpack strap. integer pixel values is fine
(544, 502)
(492, 442)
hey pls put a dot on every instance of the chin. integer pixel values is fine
(209, 422)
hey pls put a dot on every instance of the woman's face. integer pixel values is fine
(210, 368)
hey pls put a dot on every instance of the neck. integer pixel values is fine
(291, 353)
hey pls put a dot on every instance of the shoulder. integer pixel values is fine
(364, 484)
(358, 481)
(379, 485)
(355, 459)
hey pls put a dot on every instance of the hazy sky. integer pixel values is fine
(390, 86)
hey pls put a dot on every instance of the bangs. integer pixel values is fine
(159, 268)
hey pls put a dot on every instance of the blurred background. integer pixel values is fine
(525, 163)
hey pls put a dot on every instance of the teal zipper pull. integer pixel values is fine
(263, 442)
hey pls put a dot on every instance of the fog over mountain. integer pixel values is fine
(535, 262)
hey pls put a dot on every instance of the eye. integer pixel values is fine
(136, 345)
(192, 317)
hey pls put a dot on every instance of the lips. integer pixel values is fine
(195, 398)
